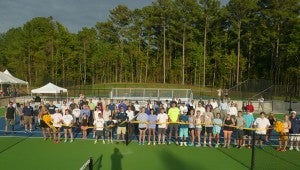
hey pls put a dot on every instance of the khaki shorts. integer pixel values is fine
(10, 122)
(121, 130)
(28, 119)
(295, 137)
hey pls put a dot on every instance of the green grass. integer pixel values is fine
(34, 153)
(2, 110)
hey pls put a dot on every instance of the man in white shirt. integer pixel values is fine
(262, 124)
(200, 108)
(162, 119)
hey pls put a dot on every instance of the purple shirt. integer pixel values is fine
(152, 121)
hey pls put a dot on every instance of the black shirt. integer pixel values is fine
(10, 113)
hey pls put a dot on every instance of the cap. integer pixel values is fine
(293, 112)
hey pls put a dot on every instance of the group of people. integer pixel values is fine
(193, 124)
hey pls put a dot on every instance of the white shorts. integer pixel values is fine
(295, 137)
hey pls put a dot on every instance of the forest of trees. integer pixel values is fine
(196, 42)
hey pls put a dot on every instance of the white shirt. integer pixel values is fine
(130, 114)
(202, 110)
(183, 109)
(99, 123)
(96, 113)
(137, 107)
(106, 114)
(214, 104)
(67, 119)
(76, 112)
(232, 111)
(63, 108)
(57, 118)
(162, 118)
(262, 125)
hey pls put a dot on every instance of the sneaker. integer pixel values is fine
(25, 131)
(95, 142)
(283, 150)
(181, 143)
(93, 135)
(169, 142)
(191, 144)
(65, 140)
(71, 140)
(204, 145)
(198, 145)
(291, 148)
(30, 131)
(297, 149)
(149, 143)
(217, 145)
(177, 142)
(154, 144)
(228, 147)
(184, 143)
(140, 143)
(111, 141)
(103, 142)
(158, 143)
(164, 143)
(107, 141)
(209, 145)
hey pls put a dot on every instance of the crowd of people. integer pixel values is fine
(190, 123)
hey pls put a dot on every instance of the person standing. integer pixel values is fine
(43, 115)
(10, 118)
(294, 131)
(261, 124)
(208, 123)
(192, 122)
(143, 120)
(162, 119)
(283, 136)
(199, 120)
(173, 114)
(228, 124)
(249, 107)
(28, 116)
(152, 127)
(122, 120)
(99, 128)
(217, 129)
(67, 120)
(261, 103)
(184, 128)
(57, 123)
(272, 120)
(240, 123)
(247, 132)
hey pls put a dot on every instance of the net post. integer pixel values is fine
(253, 151)
(91, 164)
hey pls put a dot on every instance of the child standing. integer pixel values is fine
(110, 127)
(217, 129)
(162, 119)
(183, 129)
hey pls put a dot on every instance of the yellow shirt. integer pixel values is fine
(173, 114)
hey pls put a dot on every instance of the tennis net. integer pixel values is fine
(88, 165)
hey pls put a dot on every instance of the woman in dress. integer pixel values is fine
(227, 130)
(43, 117)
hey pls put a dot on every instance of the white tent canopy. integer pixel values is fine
(14, 80)
(49, 88)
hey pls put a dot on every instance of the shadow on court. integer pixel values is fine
(171, 161)
(116, 159)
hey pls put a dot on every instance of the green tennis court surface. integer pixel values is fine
(34, 153)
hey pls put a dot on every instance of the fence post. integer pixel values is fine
(253, 151)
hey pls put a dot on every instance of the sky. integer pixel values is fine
(74, 14)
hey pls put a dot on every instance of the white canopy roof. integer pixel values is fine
(7, 78)
(49, 88)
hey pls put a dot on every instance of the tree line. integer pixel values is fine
(196, 42)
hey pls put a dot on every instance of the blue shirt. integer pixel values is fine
(249, 120)
(184, 118)
(152, 120)
(217, 125)
(143, 118)
(121, 116)
(28, 111)
(85, 111)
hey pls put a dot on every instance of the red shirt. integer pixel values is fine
(250, 108)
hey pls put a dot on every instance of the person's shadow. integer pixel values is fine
(116, 158)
